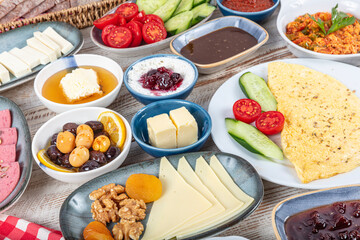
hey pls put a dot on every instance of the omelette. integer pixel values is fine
(321, 134)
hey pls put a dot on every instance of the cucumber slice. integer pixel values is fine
(185, 5)
(256, 89)
(202, 11)
(166, 11)
(179, 23)
(198, 2)
(150, 6)
(252, 139)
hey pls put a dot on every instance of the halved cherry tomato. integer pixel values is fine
(153, 17)
(101, 23)
(136, 33)
(128, 10)
(119, 37)
(122, 20)
(105, 32)
(138, 23)
(270, 122)
(140, 17)
(153, 32)
(246, 110)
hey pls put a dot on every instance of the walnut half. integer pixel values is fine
(132, 209)
(126, 230)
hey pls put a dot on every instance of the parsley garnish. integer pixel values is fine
(338, 20)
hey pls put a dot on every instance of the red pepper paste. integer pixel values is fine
(248, 5)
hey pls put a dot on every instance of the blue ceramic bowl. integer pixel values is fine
(146, 99)
(309, 200)
(140, 132)
(255, 16)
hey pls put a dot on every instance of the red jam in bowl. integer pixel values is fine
(161, 79)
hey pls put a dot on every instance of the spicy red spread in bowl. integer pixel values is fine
(248, 5)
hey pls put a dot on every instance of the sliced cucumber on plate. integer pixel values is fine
(179, 23)
(167, 10)
(150, 6)
(255, 88)
(185, 5)
(198, 2)
(252, 139)
(202, 11)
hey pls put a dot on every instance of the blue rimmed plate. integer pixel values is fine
(309, 200)
(23, 151)
(17, 38)
(75, 212)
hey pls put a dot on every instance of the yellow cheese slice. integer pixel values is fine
(207, 218)
(179, 203)
(226, 179)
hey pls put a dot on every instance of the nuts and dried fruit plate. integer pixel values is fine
(23, 151)
(75, 212)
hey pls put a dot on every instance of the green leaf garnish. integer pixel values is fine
(339, 20)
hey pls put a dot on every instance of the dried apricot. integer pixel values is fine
(143, 187)
(96, 230)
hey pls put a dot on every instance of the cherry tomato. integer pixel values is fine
(105, 32)
(128, 10)
(270, 122)
(153, 17)
(138, 23)
(153, 32)
(246, 110)
(101, 23)
(119, 37)
(140, 17)
(136, 33)
(122, 20)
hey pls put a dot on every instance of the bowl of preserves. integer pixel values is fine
(215, 45)
(160, 77)
(254, 10)
(81, 144)
(321, 29)
(144, 26)
(332, 213)
(171, 127)
(83, 80)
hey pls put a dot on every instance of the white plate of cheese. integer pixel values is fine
(204, 193)
(26, 50)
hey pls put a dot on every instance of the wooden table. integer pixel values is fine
(44, 195)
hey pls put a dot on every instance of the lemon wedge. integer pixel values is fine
(114, 126)
(44, 159)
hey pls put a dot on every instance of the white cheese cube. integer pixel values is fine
(186, 125)
(43, 58)
(79, 84)
(48, 42)
(4, 75)
(65, 45)
(162, 132)
(34, 43)
(17, 67)
(26, 57)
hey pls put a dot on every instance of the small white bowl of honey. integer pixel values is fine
(56, 92)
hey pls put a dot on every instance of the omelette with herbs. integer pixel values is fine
(323, 32)
(321, 135)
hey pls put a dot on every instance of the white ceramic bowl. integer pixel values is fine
(81, 115)
(291, 9)
(74, 61)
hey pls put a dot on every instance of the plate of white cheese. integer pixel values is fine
(26, 50)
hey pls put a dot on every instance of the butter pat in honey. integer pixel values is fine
(187, 128)
(162, 132)
(80, 83)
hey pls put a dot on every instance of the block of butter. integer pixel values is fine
(79, 84)
(65, 45)
(4, 75)
(17, 67)
(36, 44)
(162, 132)
(186, 125)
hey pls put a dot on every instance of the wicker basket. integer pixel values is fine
(80, 17)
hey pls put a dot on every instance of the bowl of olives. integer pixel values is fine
(79, 145)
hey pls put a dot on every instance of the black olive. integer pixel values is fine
(112, 153)
(64, 160)
(95, 125)
(53, 139)
(71, 127)
(89, 165)
(53, 153)
(101, 133)
(98, 157)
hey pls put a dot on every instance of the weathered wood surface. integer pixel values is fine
(43, 197)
